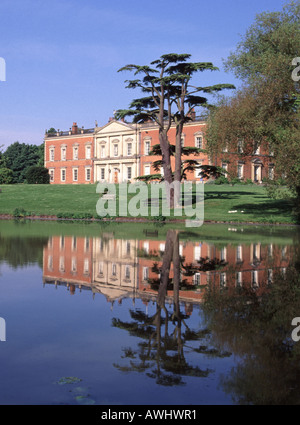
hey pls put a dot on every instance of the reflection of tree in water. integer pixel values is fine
(257, 328)
(165, 343)
(21, 251)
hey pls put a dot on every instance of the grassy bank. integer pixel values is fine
(225, 203)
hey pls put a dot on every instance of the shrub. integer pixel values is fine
(221, 180)
(6, 176)
(235, 180)
(37, 175)
(20, 213)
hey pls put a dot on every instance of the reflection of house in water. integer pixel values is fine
(115, 267)
(103, 265)
(119, 268)
(251, 265)
(68, 259)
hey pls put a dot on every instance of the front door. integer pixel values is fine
(116, 179)
(256, 173)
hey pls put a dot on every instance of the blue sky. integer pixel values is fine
(62, 56)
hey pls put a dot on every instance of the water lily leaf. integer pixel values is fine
(82, 400)
(83, 391)
(68, 380)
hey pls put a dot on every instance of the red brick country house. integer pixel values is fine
(119, 152)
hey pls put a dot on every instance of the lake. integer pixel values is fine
(145, 314)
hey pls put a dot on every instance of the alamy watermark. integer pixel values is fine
(2, 330)
(296, 71)
(2, 69)
(134, 200)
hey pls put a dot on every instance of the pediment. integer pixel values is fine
(114, 127)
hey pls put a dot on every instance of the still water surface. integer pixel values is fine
(126, 314)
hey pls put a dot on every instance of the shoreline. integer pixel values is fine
(137, 220)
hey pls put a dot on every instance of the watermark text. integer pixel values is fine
(2, 330)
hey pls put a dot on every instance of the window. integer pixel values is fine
(239, 254)
(147, 170)
(61, 264)
(127, 272)
(270, 250)
(86, 266)
(223, 254)
(240, 146)
(74, 243)
(87, 174)
(240, 171)
(239, 279)
(197, 279)
(102, 151)
(270, 276)
(223, 279)
(198, 171)
(63, 174)
(75, 153)
(162, 247)
(283, 253)
(147, 147)
(62, 242)
(114, 269)
(271, 172)
(129, 173)
(225, 148)
(51, 172)
(145, 273)
(146, 247)
(101, 267)
(199, 142)
(254, 278)
(224, 166)
(51, 154)
(128, 247)
(74, 265)
(101, 245)
(63, 154)
(88, 152)
(86, 244)
(197, 253)
(256, 150)
(75, 174)
(50, 263)
(116, 150)
(129, 149)
(102, 173)
(256, 252)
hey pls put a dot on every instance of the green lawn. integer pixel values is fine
(82, 199)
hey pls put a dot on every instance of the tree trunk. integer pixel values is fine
(177, 172)
(167, 166)
(166, 266)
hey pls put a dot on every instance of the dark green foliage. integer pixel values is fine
(51, 131)
(6, 176)
(19, 157)
(37, 175)
(77, 216)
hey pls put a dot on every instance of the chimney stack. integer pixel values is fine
(74, 128)
(192, 114)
